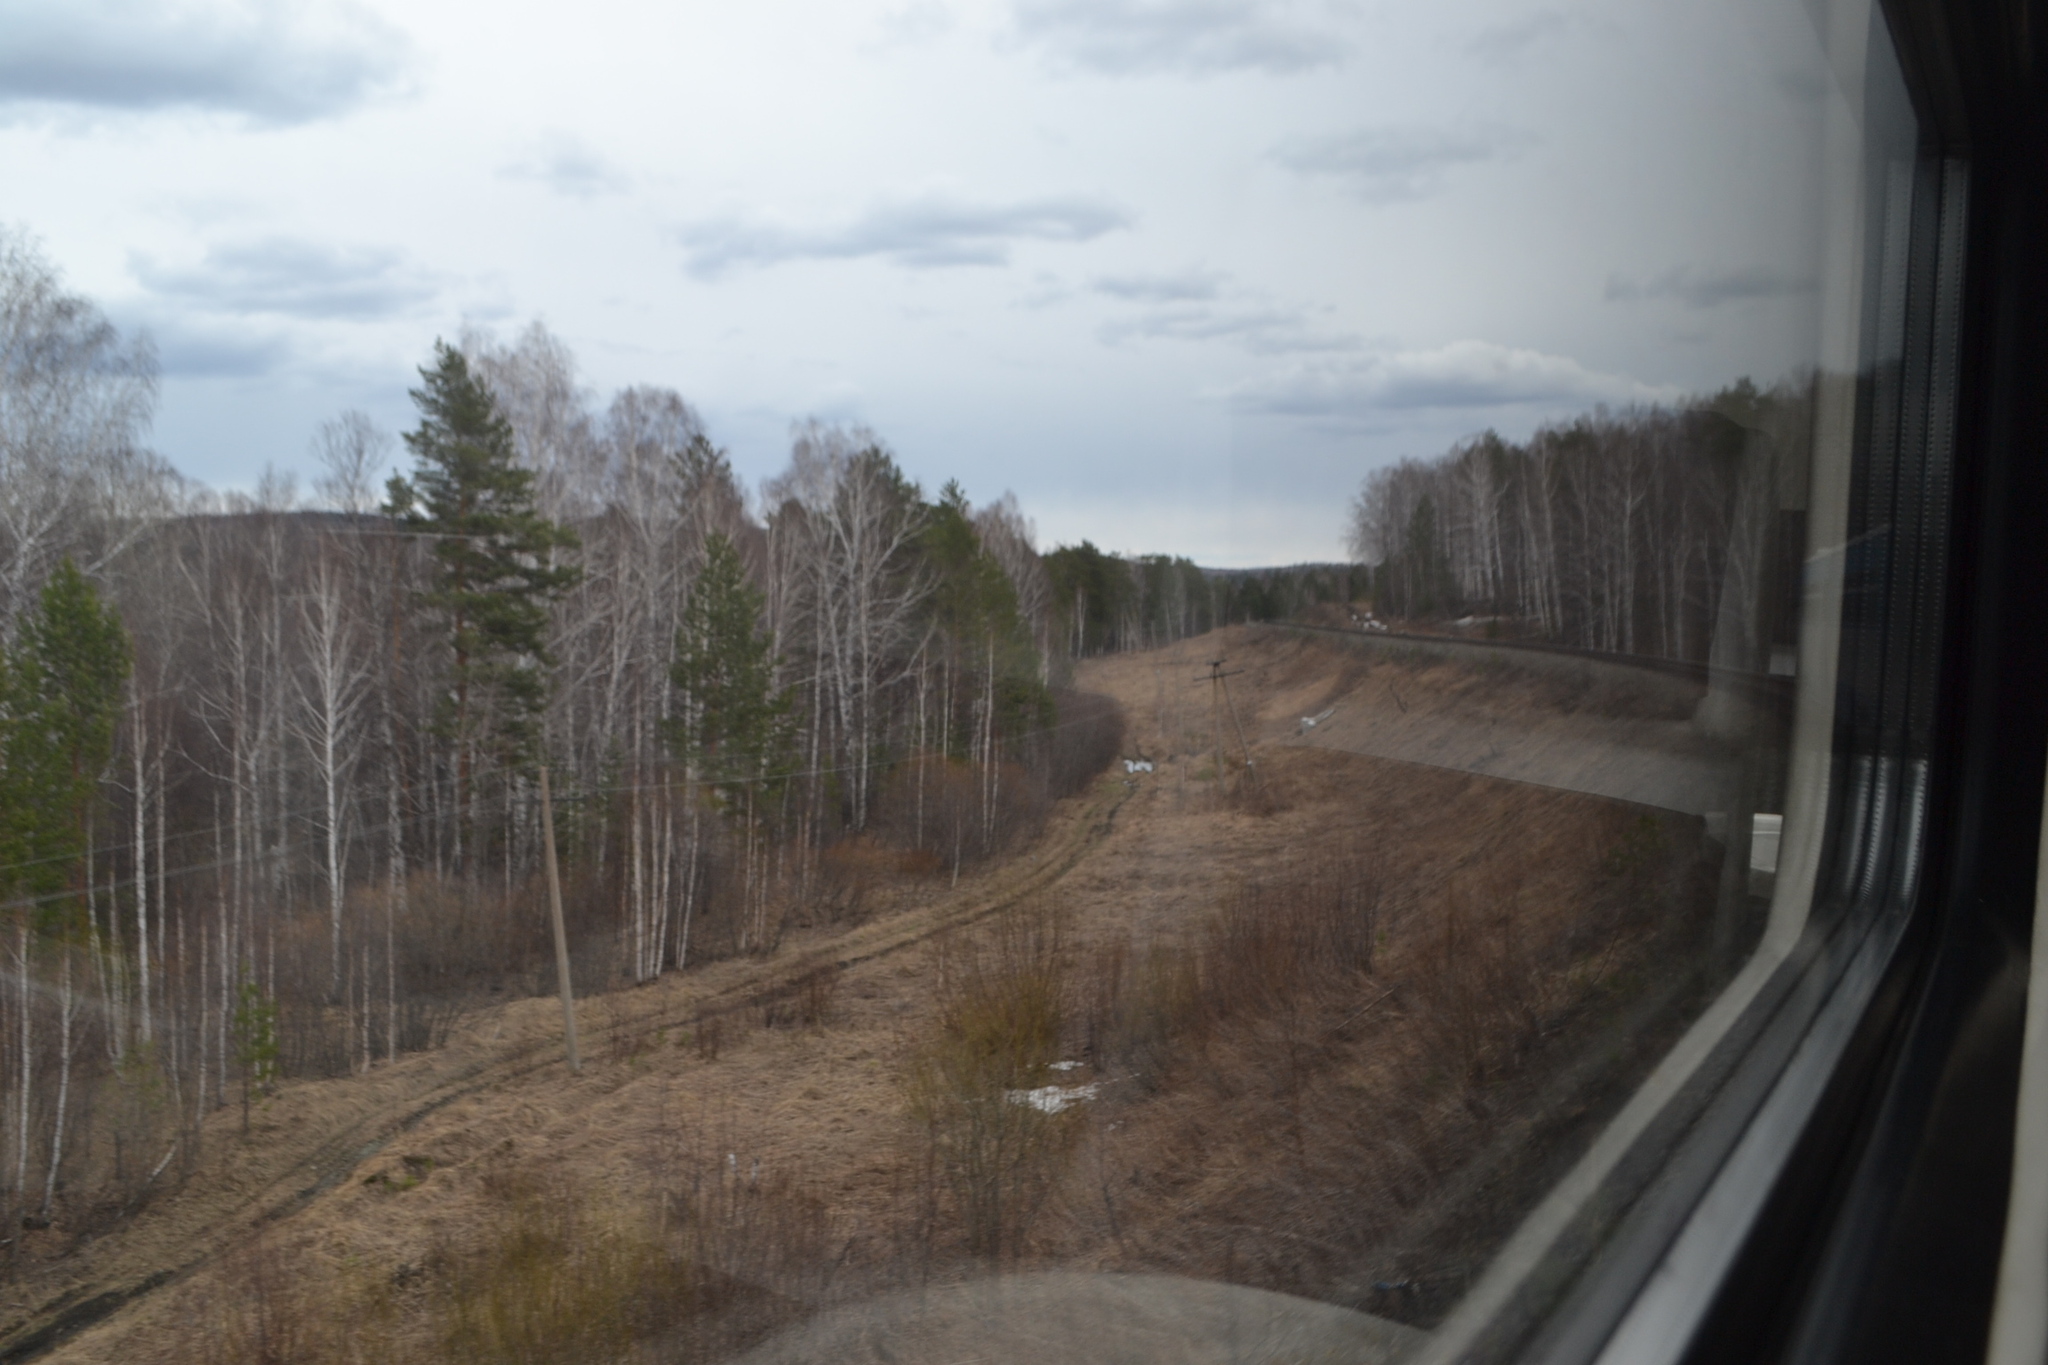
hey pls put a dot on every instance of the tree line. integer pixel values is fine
(1674, 532)
(268, 797)
(1104, 602)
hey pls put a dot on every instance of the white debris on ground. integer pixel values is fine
(1054, 1099)
(1137, 765)
(1066, 1066)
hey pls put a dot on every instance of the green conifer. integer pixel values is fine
(497, 572)
(734, 729)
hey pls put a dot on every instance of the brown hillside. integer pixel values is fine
(1346, 1015)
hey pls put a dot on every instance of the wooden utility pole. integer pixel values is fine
(1251, 774)
(547, 835)
(1216, 723)
(1219, 698)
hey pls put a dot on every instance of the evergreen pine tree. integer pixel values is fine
(735, 729)
(62, 699)
(497, 572)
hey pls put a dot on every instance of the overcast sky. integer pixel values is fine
(1178, 272)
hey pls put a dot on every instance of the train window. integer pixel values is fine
(1141, 680)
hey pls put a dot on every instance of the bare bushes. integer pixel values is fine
(1086, 738)
(759, 1249)
(557, 1282)
(1494, 976)
(1274, 946)
(1484, 991)
(805, 1000)
(991, 1154)
(726, 1253)
(1511, 1007)
(951, 813)
(556, 1275)
(264, 1308)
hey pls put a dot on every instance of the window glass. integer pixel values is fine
(1034, 680)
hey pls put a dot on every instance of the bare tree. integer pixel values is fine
(333, 682)
(1008, 535)
(860, 519)
(350, 449)
(75, 400)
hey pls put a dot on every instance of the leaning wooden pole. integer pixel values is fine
(547, 838)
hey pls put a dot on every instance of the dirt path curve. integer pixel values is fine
(314, 1135)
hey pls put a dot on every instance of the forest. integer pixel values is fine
(271, 764)
(268, 764)
(1674, 532)
(1108, 603)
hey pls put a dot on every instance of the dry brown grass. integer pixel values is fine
(548, 1273)
(1343, 1038)
(1002, 1005)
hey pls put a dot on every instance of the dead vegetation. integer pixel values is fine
(1333, 1043)
(991, 1154)
(548, 1272)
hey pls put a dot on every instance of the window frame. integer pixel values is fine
(1777, 1188)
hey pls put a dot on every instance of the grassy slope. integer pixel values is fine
(1440, 1104)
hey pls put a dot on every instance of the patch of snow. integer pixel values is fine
(1137, 765)
(1053, 1099)
(1066, 1066)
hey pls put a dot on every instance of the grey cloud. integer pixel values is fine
(1511, 38)
(1708, 288)
(570, 167)
(1262, 331)
(274, 61)
(1385, 165)
(1130, 37)
(185, 351)
(294, 278)
(1186, 286)
(919, 234)
(1464, 374)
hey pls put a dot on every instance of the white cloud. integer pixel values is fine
(1463, 374)
(920, 21)
(1261, 330)
(1179, 287)
(918, 234)
(274, 61)
(1389, 164)
(1134, 37)
(569, 166)
(1697, 288)
(295, 278)
(188, 349)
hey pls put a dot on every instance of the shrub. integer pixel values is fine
(1002, 999)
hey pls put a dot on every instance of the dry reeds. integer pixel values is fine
(1002, 1012)
(559, 1275)
(1274, 946)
